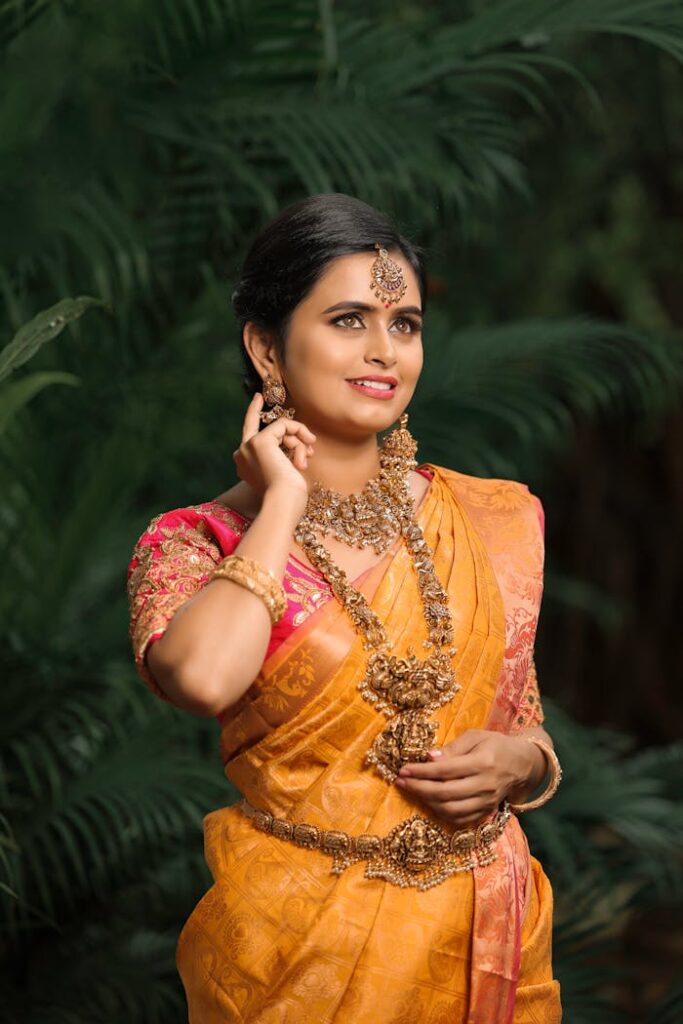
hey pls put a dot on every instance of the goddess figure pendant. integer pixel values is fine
(408, 684)
(408, 737)
(413, 688)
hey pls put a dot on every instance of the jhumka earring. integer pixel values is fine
(275, 395)
(386, 278)
(399, 447)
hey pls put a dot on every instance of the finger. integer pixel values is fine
(444, 768)
(462, 813)
(290, 445)
(459, 821)
(299, 459)
(466, 742)
(251, 423)
(443, 792)
(283, 426)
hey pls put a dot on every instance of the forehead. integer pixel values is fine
(349, 278)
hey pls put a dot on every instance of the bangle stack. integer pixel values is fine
(555, 777)
(254, 577)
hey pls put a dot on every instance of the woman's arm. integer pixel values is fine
(538, 766)
(215, 643)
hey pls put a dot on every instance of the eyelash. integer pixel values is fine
(415, 325)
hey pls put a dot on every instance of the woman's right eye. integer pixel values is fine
(342, 320)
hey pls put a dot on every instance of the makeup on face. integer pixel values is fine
(382, 388)
(378, 386)
(350, 351)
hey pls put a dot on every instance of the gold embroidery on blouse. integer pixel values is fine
(530, 709)
(172, 569)
(220, 511)
(306, 592)
(167, 573)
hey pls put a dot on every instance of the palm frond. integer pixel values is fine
(525, 386)
(16, 395)
(104, 787)
(613, 827)
(536, 23)
(42, 328)
(317, 94)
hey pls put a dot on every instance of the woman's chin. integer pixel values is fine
(355, 419)
(373, 423)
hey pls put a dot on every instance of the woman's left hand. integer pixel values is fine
(468, 779)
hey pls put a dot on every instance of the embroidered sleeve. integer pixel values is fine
(171, 562)
(530, 709)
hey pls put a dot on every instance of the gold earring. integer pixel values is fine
(400, 447)
(274, 394)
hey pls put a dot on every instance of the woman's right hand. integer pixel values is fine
(260, 460)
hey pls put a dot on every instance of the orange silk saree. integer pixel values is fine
(278, 938)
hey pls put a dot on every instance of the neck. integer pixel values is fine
(341, 465)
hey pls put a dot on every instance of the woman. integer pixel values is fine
(378, 730)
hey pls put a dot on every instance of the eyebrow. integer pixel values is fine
(370, 309)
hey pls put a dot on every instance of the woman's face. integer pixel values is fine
(341, 334)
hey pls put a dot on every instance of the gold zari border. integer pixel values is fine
(416, 853)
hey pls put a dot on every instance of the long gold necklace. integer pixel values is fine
(406, 689)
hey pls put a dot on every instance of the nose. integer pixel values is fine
(380, 348)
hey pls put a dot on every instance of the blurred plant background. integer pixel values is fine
(533, 147)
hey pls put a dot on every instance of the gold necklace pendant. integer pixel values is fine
(412, 687)
(406, 689)
(408, 684)
(408, 737)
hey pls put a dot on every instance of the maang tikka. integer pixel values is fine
(386, 278)
(275, 395)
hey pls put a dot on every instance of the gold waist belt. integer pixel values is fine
(415, 853)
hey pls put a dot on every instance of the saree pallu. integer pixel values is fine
(278, 939)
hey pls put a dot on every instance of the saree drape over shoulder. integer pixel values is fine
(278, 938)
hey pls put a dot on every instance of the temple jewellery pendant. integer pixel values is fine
(406, 690)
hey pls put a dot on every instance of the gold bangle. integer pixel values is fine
(555, 777)
(254, 577)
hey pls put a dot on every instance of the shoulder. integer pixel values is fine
(211, 528)
(495, 497)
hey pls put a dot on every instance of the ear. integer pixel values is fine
(260, 346)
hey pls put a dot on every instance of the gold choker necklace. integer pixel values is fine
(372, 518)
(406, 689)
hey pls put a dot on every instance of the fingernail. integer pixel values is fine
(435, 753)
(400, 782)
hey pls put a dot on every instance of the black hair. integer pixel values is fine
(291, 253)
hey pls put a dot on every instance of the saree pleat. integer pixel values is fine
(278, 938)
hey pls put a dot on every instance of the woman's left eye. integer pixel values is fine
(409, 326)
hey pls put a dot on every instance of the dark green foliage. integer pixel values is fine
(135, 164)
